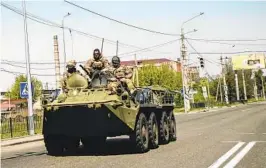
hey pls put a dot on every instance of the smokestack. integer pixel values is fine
(57, 62)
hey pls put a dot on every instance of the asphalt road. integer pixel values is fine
(230, 137)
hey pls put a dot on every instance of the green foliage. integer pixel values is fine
(163, 76)
(14, 91)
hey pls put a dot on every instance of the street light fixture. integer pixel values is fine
(63, 28)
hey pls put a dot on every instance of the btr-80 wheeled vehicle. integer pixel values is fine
(87, 112)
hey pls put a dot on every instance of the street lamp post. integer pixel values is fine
(184, 62)
(63, 28)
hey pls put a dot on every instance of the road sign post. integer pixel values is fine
(24, 93)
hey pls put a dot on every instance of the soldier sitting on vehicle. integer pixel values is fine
(71, 69)
(122, 75)
(96, 63)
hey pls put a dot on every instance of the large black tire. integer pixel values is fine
(141, 135)
(94, 144)
(164, 129)
(172, 127)
(153, 131)
(54, 144)
(72, 144)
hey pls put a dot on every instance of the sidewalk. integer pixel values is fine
(21, 140)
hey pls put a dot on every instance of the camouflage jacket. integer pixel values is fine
(122, 72)
(91, 64)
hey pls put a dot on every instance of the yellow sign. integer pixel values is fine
(248, 61)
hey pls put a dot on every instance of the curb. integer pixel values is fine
(22, 142)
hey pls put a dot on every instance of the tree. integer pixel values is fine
(163, 76)
(15, 88)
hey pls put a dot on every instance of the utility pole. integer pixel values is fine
(184, 65)
(136, 70)
(184, 73)
(217, 91)
(237, 87)
(253, 76)
(116, 48)
(244, 84)
(262, 84)
(224, 81)
(221, 90)
(102, 46)
(63, 28)
(27, 55)
(72, 43)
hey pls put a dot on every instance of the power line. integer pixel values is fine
(217, 42)
(53, 24)
(117, 21)
(155, 46)
(121, 55)
(238, 52)
(200, 53)
(20, 73)
(19, 66)
(227, 39)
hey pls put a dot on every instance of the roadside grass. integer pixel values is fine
(18, 128)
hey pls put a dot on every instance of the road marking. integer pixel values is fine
(240, 155)
(247, 133)
(261, 141)
(264, 133)
(223, 158)
(230, 141)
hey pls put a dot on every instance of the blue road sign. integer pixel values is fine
(24, 89)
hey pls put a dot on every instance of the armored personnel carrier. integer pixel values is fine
(87, 112)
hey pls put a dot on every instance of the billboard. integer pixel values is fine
(248, 61)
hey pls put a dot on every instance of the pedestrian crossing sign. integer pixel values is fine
(24, 89)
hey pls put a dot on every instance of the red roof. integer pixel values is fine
(154, 61)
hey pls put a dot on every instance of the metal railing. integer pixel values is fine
(18, 125)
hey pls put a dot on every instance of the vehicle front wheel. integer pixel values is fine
(54, 144)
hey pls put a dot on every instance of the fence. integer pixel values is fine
(18, 126)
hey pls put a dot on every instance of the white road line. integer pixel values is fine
(240, 155)
(246, 133)
(223, 158)
(264, 133)
(229, 141)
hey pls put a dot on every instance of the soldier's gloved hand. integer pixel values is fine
(112, 79)
(123, 80)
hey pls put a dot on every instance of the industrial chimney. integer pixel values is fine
(57, 62)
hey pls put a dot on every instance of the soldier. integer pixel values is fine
(96, 63)
(71, 68)
(122, 74)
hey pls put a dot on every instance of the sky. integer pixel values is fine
(221, 20)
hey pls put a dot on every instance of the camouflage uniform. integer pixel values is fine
(122, 74)
(71, 68)
(92, 64)
(96, 63)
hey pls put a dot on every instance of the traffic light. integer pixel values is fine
(201, 62)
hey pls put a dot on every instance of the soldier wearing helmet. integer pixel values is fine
(122, 74)
(97, 62)
(71, 68)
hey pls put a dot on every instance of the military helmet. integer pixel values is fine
(71, 64)
(97, 54)
(116, 61)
